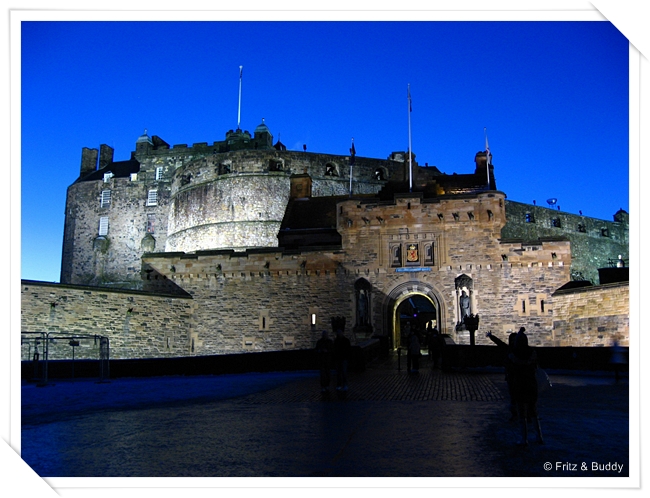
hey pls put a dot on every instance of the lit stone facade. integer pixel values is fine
(592, 316)
(167, 199)
(244, 246)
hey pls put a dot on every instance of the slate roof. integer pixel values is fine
(120, 169)
(310, 213)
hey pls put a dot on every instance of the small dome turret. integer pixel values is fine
(144, 138)
(262, 128)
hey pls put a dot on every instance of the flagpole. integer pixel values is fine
(350, 180)
(352, 154)
(239, 108)
(487, 158)
(410, 153)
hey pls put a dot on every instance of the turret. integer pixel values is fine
(143, 143)
(263, 138)
(481, 160)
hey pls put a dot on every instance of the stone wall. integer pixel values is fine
(134, 227)
(233, 211)
(264, 299)
(204, 201)
(594, 242)
(137, 324)
(511, 283)
(592, 316)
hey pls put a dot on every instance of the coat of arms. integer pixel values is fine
(412, 255)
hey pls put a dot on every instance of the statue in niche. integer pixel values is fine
(362, 293)
(464, 306)
(362, 307)
(464, 286)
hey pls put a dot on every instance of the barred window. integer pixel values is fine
(152, 198)
(105, 198)
(159, 172)
(103, 225)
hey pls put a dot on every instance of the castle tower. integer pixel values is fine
(263, 138)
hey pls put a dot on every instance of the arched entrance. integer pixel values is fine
(415, 312)
(415, 304)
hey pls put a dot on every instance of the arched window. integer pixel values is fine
(331, 170)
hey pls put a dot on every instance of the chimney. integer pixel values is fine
(105, 155)
(481, 161)
(88, 161)
(300, 186)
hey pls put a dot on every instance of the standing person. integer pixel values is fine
(324, 350)
(341, 357)
(443, 344)
(413, 353)
(524, 386)
(435, 347)
(507, 349)
(617, 359)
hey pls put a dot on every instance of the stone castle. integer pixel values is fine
(243, 245)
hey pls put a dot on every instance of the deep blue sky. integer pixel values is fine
(552, 95)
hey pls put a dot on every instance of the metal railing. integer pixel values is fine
(40, 358)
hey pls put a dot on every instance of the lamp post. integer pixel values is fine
(471, 324)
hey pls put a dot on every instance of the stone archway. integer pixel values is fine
(414, 291)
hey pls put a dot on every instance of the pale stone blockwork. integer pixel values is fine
(592, 316)
(196, 231)
(138, 325)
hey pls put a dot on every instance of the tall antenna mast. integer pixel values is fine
(239, 108)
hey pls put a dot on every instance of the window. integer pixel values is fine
(159, 172)
(555, 222)
(264, 320)
(107, 177)
(103, 225)
(331, 170)
(530, 218)
(105, 198)
(152, 198)
(151, 223)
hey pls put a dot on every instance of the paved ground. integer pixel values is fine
(389, 424)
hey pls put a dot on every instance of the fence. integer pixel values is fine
(38, 347)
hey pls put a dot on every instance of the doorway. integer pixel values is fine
(413, 312)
